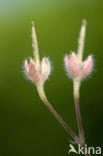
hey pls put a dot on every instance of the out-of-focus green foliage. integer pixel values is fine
(27, 128)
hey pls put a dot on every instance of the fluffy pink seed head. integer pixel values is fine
(87, 67)
(31, 71)
(72, 65)
(37, 73)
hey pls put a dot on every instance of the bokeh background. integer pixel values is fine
(27, 128)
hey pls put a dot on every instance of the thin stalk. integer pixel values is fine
(81, 133)
(48, 105)
(78, 80)
(76, 100)
(44, 99)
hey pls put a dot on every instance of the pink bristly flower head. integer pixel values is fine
(76, 69)
(37, 74)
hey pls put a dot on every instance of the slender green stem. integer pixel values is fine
(76, 100)
(81, 133)
(44, 99)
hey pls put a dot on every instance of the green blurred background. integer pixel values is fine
(27, 128)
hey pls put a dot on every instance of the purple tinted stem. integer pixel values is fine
(60, 120)
(76, 99)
